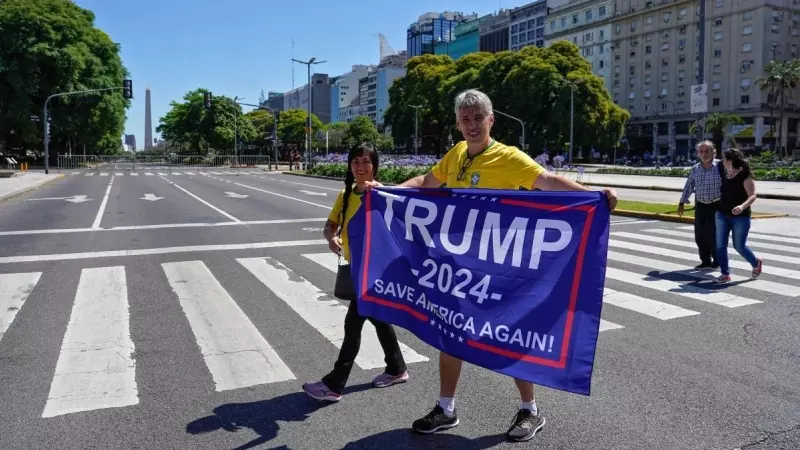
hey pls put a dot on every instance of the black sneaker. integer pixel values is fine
(525, 426)
(702, 266)
(436, 420)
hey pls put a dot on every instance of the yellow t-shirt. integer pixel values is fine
(335, 216)
(500, 166)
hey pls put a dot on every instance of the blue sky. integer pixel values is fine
(241, 47)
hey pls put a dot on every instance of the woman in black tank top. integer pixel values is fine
(738, 192)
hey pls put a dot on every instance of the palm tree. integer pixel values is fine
(780, 78)
(716, 124)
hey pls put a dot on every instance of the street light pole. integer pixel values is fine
(46, 123)
(236, 129)
(416, 124)
(308, 119)
(522, 142)
(572, 86)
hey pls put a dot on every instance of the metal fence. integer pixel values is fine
(99, 163)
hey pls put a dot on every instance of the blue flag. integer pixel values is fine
(511, 281)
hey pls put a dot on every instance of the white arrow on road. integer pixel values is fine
(151, 197)
(235, 195)
(73, 199)
(323, 194)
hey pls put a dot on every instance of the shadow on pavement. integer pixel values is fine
(406, 438)
(262, 416)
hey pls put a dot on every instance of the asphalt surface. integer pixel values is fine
(687, 373)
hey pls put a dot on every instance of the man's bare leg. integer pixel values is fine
(525, 390)
(449, 373)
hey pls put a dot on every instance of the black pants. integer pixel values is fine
(353, 324)
(705, 231)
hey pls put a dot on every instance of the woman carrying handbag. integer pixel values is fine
(362, 163)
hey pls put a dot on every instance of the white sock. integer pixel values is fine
(448, 404)
(530, 406)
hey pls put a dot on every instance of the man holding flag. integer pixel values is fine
(480, 162)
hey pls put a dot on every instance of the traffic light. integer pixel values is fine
(207, 98)
(127, 89)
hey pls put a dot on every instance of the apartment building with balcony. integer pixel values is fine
(656, 59)
(587, 24)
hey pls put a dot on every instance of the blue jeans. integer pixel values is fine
(740, 226)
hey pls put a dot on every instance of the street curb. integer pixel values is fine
(616, 212)
(19, 192)
(613, 185)
(669, 189)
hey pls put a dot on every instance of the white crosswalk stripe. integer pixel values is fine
(650, 281)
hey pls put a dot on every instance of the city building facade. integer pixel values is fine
(494, 32)
(374, 91)
(130, 141)
(657, 60)
(275, 101)
(320, 97)
(526, 25)
(431, 28)
(466, 40)
(344, 91)
(587, 24)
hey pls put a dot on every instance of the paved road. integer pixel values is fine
(178, 311)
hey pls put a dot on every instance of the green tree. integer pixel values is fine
(292, 126)
(262, 121)
(532, 84)
(780, 78)
(52, 46)
(195, 128)
(717, 124)
(361, 129)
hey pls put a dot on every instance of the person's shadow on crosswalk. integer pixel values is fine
(262, 416)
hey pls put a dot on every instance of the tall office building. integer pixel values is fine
(657, 58)
(432, 28)
(148, 123)
(527, 25)
(494, 32)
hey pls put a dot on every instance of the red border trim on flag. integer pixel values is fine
(561, 363)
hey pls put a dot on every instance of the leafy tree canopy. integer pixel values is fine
(192, 126)
(49, 47)
(531, 84)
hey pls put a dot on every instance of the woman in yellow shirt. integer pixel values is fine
(362, 162)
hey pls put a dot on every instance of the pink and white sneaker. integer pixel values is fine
(320, 391)
(385, 380)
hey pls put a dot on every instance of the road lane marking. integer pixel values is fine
(326, 316)
(99, 217)
(683, 290)
(783, 247)
(762, 236)
(606, 325)
(204, 202)
(119, 174)
(691, 244)
(646, 306)
(777, 271)
(157, 251)
(236, 354)
(315, 186)
(161, 226)
(95, 367)
(785, 290)
(134, 174)
(281, 195)
(14, 290)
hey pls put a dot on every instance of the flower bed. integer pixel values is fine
(772, 174)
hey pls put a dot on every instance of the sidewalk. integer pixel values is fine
(23, 182)
(779, 190)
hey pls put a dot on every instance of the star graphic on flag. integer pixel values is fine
(483, 198)
(460, 339)
(440, 326)
(494, 199)
(433, 322)
(452, 335)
